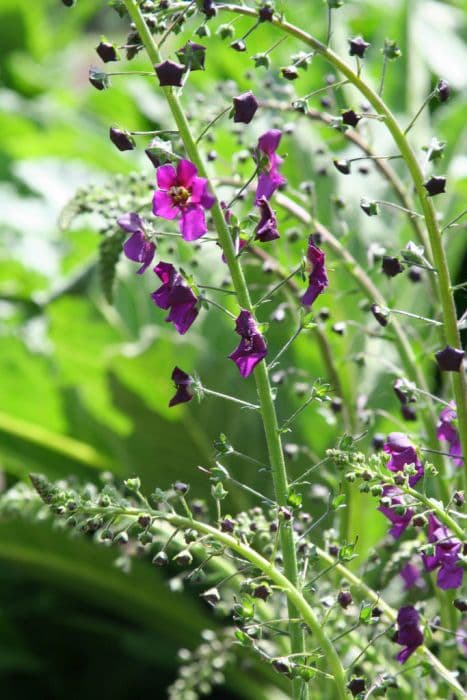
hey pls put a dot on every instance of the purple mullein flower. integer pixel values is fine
(183, 383)
(400, 521)
(410, 575)
(137, 248)
(402, 453)
(318, 279)
(176, 296)
(266, 229)
(409, 634)
(182, 193)
(252, 347)
(446, 555)
(445, 430)
(269, 178)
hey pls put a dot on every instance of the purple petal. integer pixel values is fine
(186, 172)
(449, 576)
(161, 296)
(269, 142)
(131, 222)
(166, 176)
(138, 249)
(162, 205)
(192, 223)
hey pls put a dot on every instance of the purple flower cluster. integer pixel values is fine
(175, 295)
(447, 551)
(402, 454)
(446, 430)
(409, 635)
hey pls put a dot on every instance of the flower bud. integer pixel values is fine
(107, 52)
(99, 79)
(211, 596)
(391, 266)
(183, 558)
(435, 185)
(169, 73)
(160, 559)
(289, 72)
(459, 499)
(460, 605)
(356, 686)
(443, 91)
(450, 359)
(121, 538)
(343, 166)
(350, 118)
(344, 599)
(358, 46)
(238, 45)
(226, 31)
(121, 139)
(381, 315)
(263, 591)
(181, 488)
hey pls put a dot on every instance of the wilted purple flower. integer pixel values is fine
(435, 185)
(182, 193)
(446, 555)
(107, 51)
(176, 296)
(409, 633)
(402, 453)
(410, 575)
(244, 107)
(446, 430)
(137, 248)
(358, 46)
(318, 279)
(450, 359)
(122, 139)
(400, 521)
(269, 178)
(252, 347)
(183, 383)
(266, 229)
(170, 73)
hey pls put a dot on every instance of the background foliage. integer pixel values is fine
(84, 385)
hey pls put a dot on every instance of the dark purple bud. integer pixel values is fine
(370, 207)
(274, 526)
(208, 8)
(107, 52)
(358, 46)
(183, 383)
(376, 612)
(169, 73)
(460, 605)
(403, 391)
(443, 91)
(450, 359)
(459, 499)
(99, 79)
(122, 139)
(289, 72)
(344, 599)
(408, 413)
(381, 316)
(181, 488)
(183, 558)
(144, 520)
(245, 106)
(238, 45)
(263, 591)
(414, 274)
(285, 513)
(227, 525)
(266, 13)
(192, 56)
(391, 266)
(326, 102)
(160, 559)
(336, 405)
(68, 3)
(419, 521)
(435, 185)
(282, 665)
(350, 118)
(211, 596)
(343, 166)
(356, 686)
(333, 550)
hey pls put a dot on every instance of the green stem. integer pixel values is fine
(227, 397)
(451, 331)
(271, 428)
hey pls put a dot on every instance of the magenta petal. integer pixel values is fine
(166, 176)
(131, 222)
(269, 141)
(192, 223)
(186, 172)
(138, 249)
(198, 188)
(162, 205)
(161, 296)
(449, 576)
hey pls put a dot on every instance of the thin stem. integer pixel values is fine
(414, 119)
(220, 307)
(299, 410)
(383, 76)
(455, 220)
(226, 397)
(417, 316)
(242, 189)
(172, 26)
(410, 212)
(212, 122)
(286, 346)
(332, 86)
(271, 292)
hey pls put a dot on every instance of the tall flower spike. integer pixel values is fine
(183, 194)
(269, 178)
(176, 296)
(446, 430)
(183, 383)
(409, 633)
(402, 453)
(318, 279)
(137, 248)
(252, 347)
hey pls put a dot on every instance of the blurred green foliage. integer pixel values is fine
(84, 386)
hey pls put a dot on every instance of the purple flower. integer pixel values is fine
(244, 107)
(409, 633)
(137, 248)
(182, 193)
(318, 279)
(269, 178)
(445, 430)
(176, 296)
(183, 383)
(252, 347)
(266, 229)
(450, 359)
(400, 521)
(446, 555)
(410, 575)
(402, 453)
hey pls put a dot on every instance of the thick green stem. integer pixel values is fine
(263, 386)
(451, 331)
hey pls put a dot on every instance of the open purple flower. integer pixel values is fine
(183, 194)
(446, 555)
(269, 178)
(400, 520)
(252, 347)
(183, 383)
(266, 229)
(318, 279)
(402, 453)
(409, 634)
(410, 575)
(445, 430)
(137, 248)
(176, 296)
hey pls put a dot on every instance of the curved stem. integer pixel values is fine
(451, 331)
